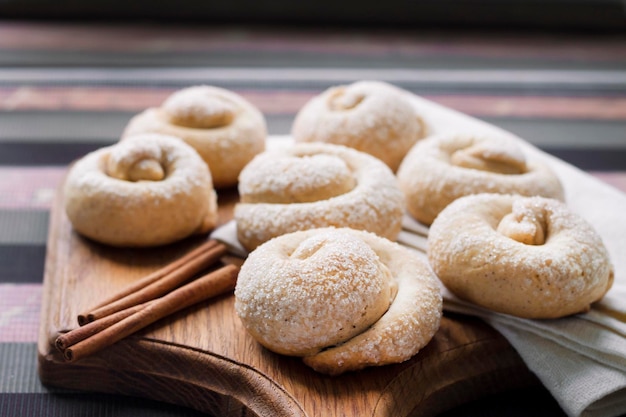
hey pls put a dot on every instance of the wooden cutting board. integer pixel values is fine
(202, 358)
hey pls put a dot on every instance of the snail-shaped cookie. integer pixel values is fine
(442, 168)
(530, 257)
(224, 128)
(342, 299)
(311, 185)
(373, 117)
(144, 191)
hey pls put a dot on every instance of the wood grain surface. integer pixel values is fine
(202, 357)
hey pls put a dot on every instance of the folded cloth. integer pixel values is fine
(580, 359)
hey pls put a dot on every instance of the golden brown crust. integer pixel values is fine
(373, 117)
(530, 257)
(342, 299)
(442, 168)
(312, 185)
(145, 191)
(225, 129)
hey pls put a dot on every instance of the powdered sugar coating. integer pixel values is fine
(482, 262)
(282, 297)
(224, 128)
(200, 107)
(442, 168)
(375, 203)
(272, 178)
(344, 299)
(373, 117)
(118, 210)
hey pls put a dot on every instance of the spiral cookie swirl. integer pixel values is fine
(373, 117)
(225, 129)
(442, 168)
(145, 191)
(312, 185)
(342, 299)
(530, 257)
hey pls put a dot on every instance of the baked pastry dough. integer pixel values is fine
(371, 116)
(311, 185)
(144, 191)
(442, 168)
(530, 257)
(224, 128)
(343, 299)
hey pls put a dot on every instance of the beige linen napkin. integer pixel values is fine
(581, 359)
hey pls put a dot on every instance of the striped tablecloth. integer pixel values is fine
(66, 89)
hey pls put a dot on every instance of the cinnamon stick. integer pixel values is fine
(74, 336)
(208, 286)
(158, 283)
(156, 275)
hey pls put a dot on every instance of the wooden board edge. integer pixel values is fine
(194, 378)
